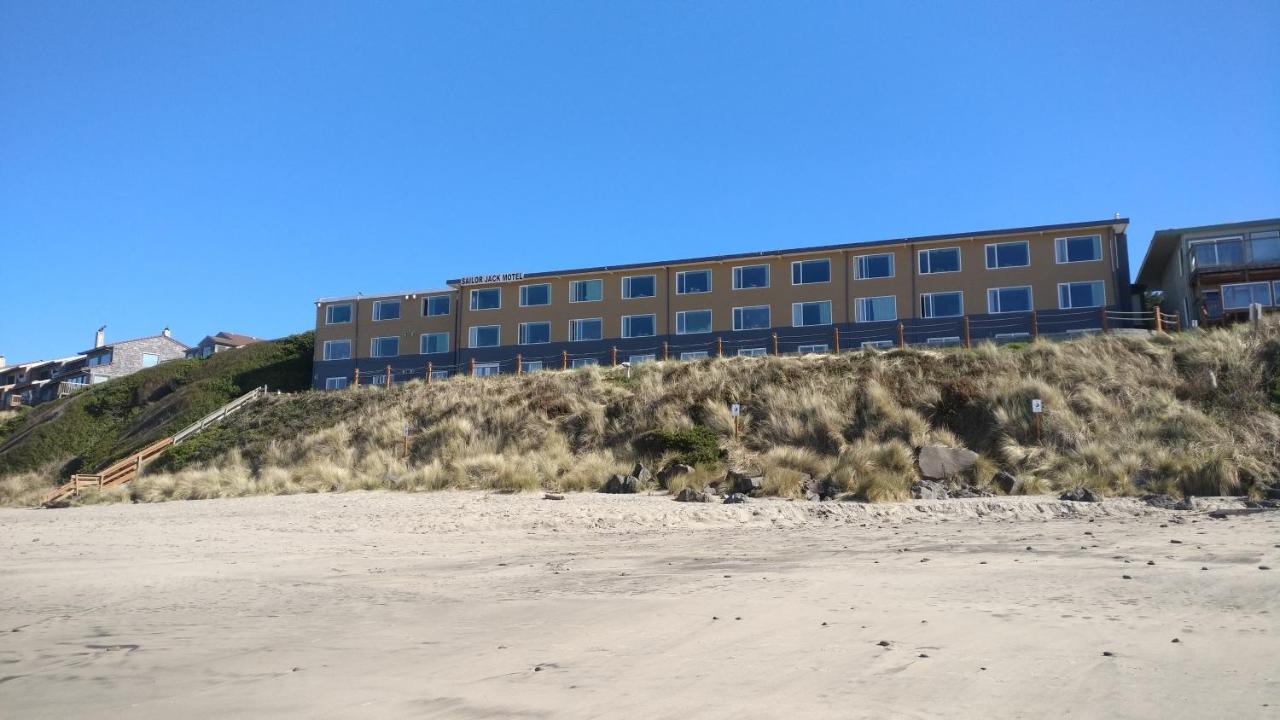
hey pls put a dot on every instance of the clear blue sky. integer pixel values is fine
(218, 165)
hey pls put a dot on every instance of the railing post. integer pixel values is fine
(775, 343)
(519, 365)
(968, 341)
(1035, 325)
(1102, 312)
(471, 367)
(428, 372)
(902, 335)
(719, 347)
(835, 339)
(1159, 321)
(357, 377)
(664, 350)
(613, 356)
(388, 377)
(564, 359)
(1177, 321)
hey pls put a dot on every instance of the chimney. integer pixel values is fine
(165, 332)
(100, 337)
(2, 363)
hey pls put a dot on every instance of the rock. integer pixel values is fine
(733, 498)
(1271, 493)
(1005, 482)
(1080, 495)
(741, 483)
(641, 474)
(674, 470)
(691, 495)
(928, 490)
(939, 462)
(968, 491)
(823, 489)
(552, 496)
(621, 485)
(1166, 502)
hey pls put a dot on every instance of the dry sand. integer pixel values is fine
(470, 605)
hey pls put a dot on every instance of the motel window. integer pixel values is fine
(748, 277)
(695, 355)
(1081, 295)
(751, 318)
(693, 281)
(691, 322)
(639, 286)
(1264, 246)
(1241, 295)
(434, 343)
(637, 359)
(335, 383)
(337, 314)
(586, 329)
(384, 347)
(1085, 248)
(942, 304)
(1008, 255)
(808, 272)
(586, 291)
(875, 309)
(531, 366)
(486, 299)
(150, 360)
(811, 313)
(337, 349)
(486, 369)
(813, 349)
(439, 374)
(1009, 300)
(100, 359)
(482, 336)
(435, 306)
(869, 267)
(535, 333)
(386, 309)
(534, 295)
(583, 362)
(939, 260)
(639, 326)
(753, 352)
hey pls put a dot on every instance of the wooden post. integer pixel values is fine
(902, 335)
(1159, 320)
(968, 341)
(775, 343)
(1102, 313)
(719, 347)
(664, 350)
(1035, 325)
(519, 364)
(613, 355)
(835, 339)
(357, 377)
(564, 359)
(429, 373)
(1177, 321)
(388, 377)
(471, 367)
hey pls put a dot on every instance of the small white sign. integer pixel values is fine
(1037, 406)
(735, 409)
(406, 431)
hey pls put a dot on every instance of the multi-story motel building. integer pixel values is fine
(996, 284)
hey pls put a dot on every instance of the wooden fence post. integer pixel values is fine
(902, 335)
(719, 347)
(471, 367)
(835, 339)
(775, 343)
(1035, 325)
(564, 359)
(613, 356)
(968, 341)
(1159, 320)
(519, 364)
(1102, 313)
(664, 350)
(357, 377)
(388, 377)
(429, 373)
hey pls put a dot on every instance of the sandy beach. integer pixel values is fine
(473, 605)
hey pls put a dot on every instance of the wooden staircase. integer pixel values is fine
(131, 467)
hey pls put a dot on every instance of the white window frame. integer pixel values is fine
(813, 349)
(626, 331)
(940, 292)
(582, 320)
(520, 294)
(146, 355)
(768, 311)
(573, 286)
(439, 374)
(328, 314)
(753, 352)
(637, 359)
(1060, 249)
(830, 312)
(986, 254)
(695, 355)
(801, 263)
(680, 322)
(858, 262)
(520, 333)
(736, 275)
(487, 369)
(680, 282)
(1271, 300)
(878, 344)
(531, 366)
(859, 312)
(336, 383)
(944, 341)
(472, 299)
(471, 336)
(426, 306)
(1012, 336)
(583, 362)
(329, 343)
(626, 287)
(377, 310)
(373, 345)
(422, 341)
(993, 294)
(925, 254)
(1082, 282)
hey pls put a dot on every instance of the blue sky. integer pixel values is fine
(219, 165)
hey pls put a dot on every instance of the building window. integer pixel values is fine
(101, 359)
(692, 322)
(751, 318)
(749, 277)
(942, 304)
(150, 360)
(1085, 248)
(875, 309)
(878, 345)
(695, 355)
(1241, 295)
(690, 282)
(337, 349)
(637, 359)
(386, 309)
(482, 336)
(337, 314)
(1009, 300)
(486, 369)
(870, 267)
(486, 299)
(1008, 255)
(435, 306)
(535, 295)
(381, 347)
(531, 366)
(586, 329)
(809, 272)
(939, 260)
(434, 343)
(806, 314)
(813, 349)
(752, 352)
(535, 333)
(947, 341)
(583, 362)
(1081, 295)
(634, 326)
(335, 383)
(439, 374)
(639, 286)
(586, 291)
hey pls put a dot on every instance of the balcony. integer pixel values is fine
(1235, 254)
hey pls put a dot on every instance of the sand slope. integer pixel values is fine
(467, 605)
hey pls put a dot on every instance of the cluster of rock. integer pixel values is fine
(942, 470)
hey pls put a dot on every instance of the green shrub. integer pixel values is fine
(692, 446)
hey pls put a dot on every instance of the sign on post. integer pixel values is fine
(735, 409)
(1037, 406)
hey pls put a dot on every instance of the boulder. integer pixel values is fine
(928, 490)
(819, 490)
(939, 462)
(641, 474)
(674, 470)
(621, 485)
(691, 495)
(743, 483)
(1080, 494)
(733, 498)
(1005, 482)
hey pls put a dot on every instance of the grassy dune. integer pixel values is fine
(1193, 414)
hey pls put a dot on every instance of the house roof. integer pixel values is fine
(1165, 242)
(170, 338)
(233, 338)
(407, 294)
